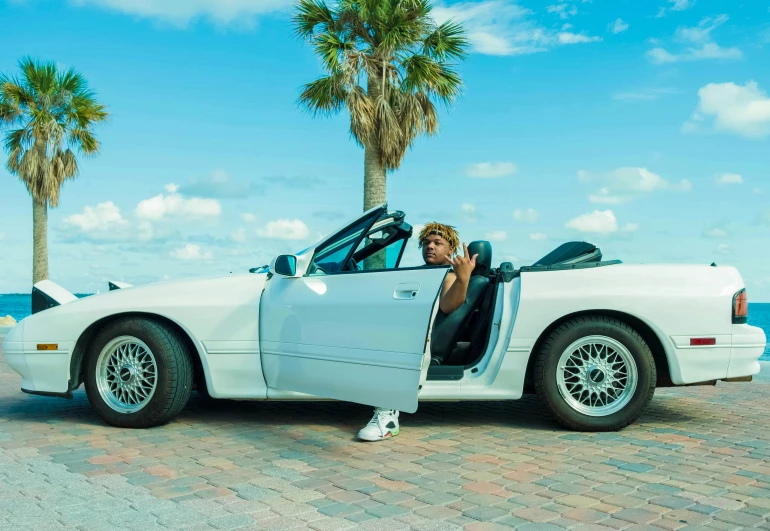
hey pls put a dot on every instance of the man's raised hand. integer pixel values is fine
(462, 265)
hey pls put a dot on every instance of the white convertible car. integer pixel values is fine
(341, 320)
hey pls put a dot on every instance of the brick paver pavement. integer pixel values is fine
(698, 458)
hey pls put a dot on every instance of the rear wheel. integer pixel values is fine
(139, 373)
(595, 373)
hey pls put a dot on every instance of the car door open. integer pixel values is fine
(358, 336)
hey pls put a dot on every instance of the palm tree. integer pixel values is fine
(47, 114)
(386, 61)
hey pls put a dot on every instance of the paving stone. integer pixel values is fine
(698, 458)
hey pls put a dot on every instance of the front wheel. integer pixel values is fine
(595, 373)
(139, 373)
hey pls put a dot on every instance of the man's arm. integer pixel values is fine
(452, 293)
(455, 285)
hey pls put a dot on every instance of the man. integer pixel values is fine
(439, 244)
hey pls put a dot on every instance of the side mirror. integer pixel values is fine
(284, 265)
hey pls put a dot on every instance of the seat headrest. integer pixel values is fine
(484, 258)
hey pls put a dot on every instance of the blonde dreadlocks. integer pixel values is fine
(445, 231)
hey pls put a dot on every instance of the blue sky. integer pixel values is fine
(643, 127)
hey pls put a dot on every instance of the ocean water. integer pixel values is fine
(19, 306)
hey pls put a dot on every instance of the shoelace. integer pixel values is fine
(377, 418)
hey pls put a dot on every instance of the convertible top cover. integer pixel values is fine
(571, 253)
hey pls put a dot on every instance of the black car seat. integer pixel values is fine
(447, 328)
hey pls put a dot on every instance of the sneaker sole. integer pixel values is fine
(388, 435)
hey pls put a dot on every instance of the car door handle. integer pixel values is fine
(406, 290)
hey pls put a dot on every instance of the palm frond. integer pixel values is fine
(325, 95)
(446, 42)
(387, 129)
(71, 82)
(423, 74)
(330, 47)
(362, 117)
(84, 140)
(312, 15)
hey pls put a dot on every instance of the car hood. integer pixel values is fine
(162, 298)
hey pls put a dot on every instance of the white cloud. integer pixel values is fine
(175, 205)
(730, 178)
(502, 27)
(104, 217)
(723, 248)
(219, 185)
(600, 222)
(284, 229)
(529, 215)
(566, 37)
(699, 44)
(538, 236)
(239, 235)
(182, 12)
(248, 218)
(618, 26)
(563, 10)
(644, 94)
(744, 110)
(485, 170)
(679, 5)
(630, 227)
(708, 51)
(715, 232)
(628, 183)
(496, 235)
(190, 252)
(758, 191)
(468, 212)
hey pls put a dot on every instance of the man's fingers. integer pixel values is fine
(465, 250)
(473, 260)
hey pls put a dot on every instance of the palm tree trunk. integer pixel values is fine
(375, 180)
(39, 241)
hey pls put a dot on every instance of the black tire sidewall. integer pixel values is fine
(166, 359)
(561, 339)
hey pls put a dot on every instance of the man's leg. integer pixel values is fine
(384, 425)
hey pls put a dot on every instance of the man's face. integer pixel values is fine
(435, 249)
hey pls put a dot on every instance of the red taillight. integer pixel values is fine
(740, 307)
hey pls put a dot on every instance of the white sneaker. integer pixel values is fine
(384, 425)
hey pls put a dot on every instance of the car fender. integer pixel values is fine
(220, 316)
(672, 300)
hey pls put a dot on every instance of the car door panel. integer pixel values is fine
(358, 337)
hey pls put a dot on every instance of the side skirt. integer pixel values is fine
(67, 394)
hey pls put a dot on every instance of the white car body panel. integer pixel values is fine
(367, 329)
(220, 315)
(349, 336)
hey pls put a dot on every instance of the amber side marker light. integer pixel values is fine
(47, 346)
(740, 307)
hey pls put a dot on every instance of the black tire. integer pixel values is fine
(546, 367)
(174, 373)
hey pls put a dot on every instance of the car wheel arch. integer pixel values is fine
(641, 327)
(77, 361)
